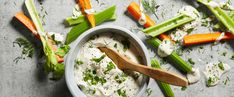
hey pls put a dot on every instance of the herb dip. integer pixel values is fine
(214, 71)
(98, 76)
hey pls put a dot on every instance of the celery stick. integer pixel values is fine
(165, 88)
(36, 20)
(101, 17)
(168, 25)
(173, 58)
(221, 15)
(70, 21)
(52, 64)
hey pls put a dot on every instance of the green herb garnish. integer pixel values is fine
(121, 93)
(115, 45)
(79, 62)
(97, 60)
(91, 77)
(224, 53)
(120, 78)
(150, 7)
(183, 88)
(226, 81)
(126, 44)
(148, 91)
(109, 67)
(28, 49)
(190, 30)
(232, 58)
(221, 66)
(211, 80)
(190, 60)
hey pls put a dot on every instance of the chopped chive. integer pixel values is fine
(126, 44)
(221, 66)
(109, 67)
(190, 60)
(121, 93)
(97, 60)
(79, 62)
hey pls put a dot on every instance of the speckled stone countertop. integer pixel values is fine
(26, 78)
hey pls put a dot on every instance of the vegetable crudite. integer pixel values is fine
(106, 15)
(170, 54)
(219, 13)
(88, 10)
(187, 15)
(165, 88)
(54, 54)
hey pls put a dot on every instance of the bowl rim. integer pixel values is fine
(70, 80)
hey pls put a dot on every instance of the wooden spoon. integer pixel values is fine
(158, 74)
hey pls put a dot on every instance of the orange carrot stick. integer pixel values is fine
(27, 22)
(135, 11)
(205, 38)
(86, 5)
(30, 25)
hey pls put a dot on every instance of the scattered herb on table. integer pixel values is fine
(150, 7)
(190, 60)
(190, 30)
(27, 48)
(148, 91)
(226, 81)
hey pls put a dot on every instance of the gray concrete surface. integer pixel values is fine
(26, 79)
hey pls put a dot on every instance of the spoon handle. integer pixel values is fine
(158, 74)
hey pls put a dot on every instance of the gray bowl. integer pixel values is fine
(69, 69)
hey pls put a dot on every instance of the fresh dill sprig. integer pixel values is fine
(27, 48)
(150, 6)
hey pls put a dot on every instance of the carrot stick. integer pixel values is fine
(30, 25)
(27, 22)
(205, 38)
(135, 11)
(86, 5)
